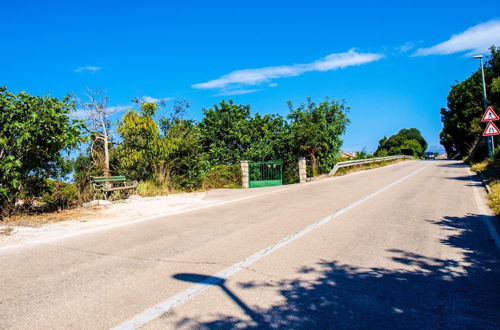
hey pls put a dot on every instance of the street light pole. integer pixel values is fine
(491, 143)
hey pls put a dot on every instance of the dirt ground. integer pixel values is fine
(22, 228)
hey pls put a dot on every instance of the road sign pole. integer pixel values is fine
(485, 102)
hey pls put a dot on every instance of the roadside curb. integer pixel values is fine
(485, 183)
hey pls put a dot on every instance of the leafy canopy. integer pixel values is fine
(462, 127)
(33, 133)
(407, 141)
(317, 131)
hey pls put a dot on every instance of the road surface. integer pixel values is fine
(403, 246)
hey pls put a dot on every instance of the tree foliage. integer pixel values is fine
(142, 154)
(462, 127)
(34, 131)
(225, 132)
(407, 141)
(187, 162)
(317, 131)
(165, 154)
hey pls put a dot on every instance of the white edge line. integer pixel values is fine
(156, 311)
(484, 214)
(35, 242)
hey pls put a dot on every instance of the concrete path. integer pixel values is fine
(404, 246)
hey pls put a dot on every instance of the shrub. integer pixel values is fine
(496, 155)
(494, 198)
(152, 188)
(59, 196)
(290, 172)
(223, 176)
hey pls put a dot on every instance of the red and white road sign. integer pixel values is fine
(490, 115)
(491, 129)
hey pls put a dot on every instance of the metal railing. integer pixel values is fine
(364, 161)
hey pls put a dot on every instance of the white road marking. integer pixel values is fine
(52, 239)
(484, 214)
(158, 310)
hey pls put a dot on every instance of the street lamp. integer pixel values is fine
(491, 144)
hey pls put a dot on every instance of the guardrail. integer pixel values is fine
(364, 161)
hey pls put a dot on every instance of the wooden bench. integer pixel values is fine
(106, 185)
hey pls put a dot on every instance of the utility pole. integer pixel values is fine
(491, 142)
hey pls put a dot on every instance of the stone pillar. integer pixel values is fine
(244, 173)
(302, 170)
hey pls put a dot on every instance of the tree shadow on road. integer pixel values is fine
(454, 165)
(416, 292)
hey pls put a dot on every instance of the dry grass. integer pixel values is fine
(357, 168)
(6, 231)
(34, 220)
(481, 167)
(149, 189)
(494, 197)
(491, 171)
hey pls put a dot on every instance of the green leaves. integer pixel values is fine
(317, 131)
(33, 132)
(462, 127)
(225, 132)
(407, 141)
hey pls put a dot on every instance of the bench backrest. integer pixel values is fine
(119, 178)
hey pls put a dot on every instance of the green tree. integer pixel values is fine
(34, 133)
(462, 127)
(142, 154)
(269, 138)
(413, 146)
(407, 140)
(187, 162)
(225, 132)
(317, 131)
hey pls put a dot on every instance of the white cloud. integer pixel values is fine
(156, 100)
(82, 113)
(119, 108)
(90, 68)
(236, 92)
(405, 47)
(253, 77)
(79, 114)
(476, 39)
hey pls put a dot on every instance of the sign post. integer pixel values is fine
(491, 129)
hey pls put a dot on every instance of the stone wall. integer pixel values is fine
(244, 173)
(302, 170)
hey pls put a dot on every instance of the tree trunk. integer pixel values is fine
(106, 150)
(314, 164)
(106, 157)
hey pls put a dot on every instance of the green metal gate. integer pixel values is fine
(265, 174)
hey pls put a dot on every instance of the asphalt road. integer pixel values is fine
(404, 246)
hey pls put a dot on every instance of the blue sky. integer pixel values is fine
(392, 62)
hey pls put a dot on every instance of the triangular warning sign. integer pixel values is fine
(490, 115)
(491, 129)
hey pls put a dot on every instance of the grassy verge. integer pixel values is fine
(490, 170)
(362, 167)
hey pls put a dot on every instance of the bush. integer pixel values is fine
(494, 198)
(382, 153)
(152, 188)
(291, 172)
(496, 155)
(223, 176)
(60, 196)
